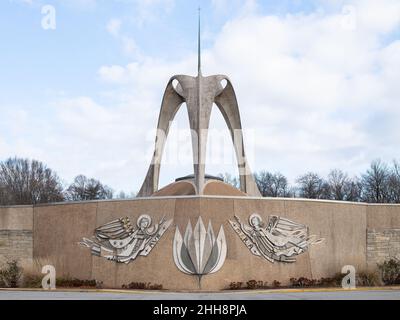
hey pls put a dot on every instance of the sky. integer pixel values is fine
(318, 84)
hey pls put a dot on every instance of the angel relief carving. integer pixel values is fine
(120, 241)
(280, 240)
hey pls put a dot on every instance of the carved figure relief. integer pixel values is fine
(121, 241)
(279, 240)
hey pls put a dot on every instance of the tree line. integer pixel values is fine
(379, 184)
(24, 182)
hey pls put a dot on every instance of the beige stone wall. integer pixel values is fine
(383, 216)
(383, 234)
(16, 245)
(16, 218)
(57, 229)
(382, 244)
(343, 226)
(16, 237)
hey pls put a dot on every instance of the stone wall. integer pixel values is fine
(16, 245)
(382, 244)
(16, 234)
(355, 234)
(59, 228)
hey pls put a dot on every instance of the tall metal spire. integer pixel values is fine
(199, 45)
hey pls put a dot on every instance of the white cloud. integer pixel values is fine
(306, 83)
(378, 16)
(318, 94)
(128, 44)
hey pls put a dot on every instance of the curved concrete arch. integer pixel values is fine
(199, 93)
(169, 107)
(227, 104)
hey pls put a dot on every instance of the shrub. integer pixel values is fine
(262, 284)
(10, 276)
(334, 281)
(363, 279)
(99, 284)
(303, 282)
(32, 281)
(75, 283)
(142, 286)
(390, 271)
(252, 284)
(156, 287)
(235, 285)
(368, 279)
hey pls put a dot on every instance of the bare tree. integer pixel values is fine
(280, 187)
(394, 183)
(84, 188)
(312, 186)
(353, 190)
(24, 181)
(5, 198)
(375, 183)
(272, 184)
(264, 182)
(337, 180)
(341, 187)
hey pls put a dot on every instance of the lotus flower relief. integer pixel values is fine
(199, 252)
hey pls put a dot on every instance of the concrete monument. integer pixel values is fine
(199, 93)
(147, 246)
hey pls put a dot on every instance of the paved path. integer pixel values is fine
(267, 295)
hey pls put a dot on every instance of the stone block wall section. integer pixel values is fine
(383, 233)
(382, 245)
(16, 245)
(16, 234)
(355, 234)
